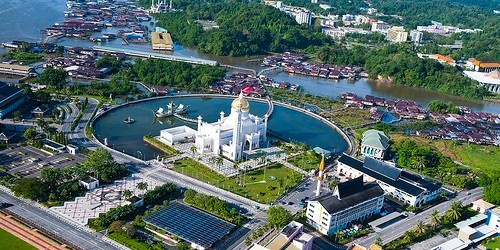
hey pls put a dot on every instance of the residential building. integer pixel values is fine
(351, 201)
(443, 59)
(374, 144)
(440, 29)
(397, 34)
(15, 69)
(400, 185)
(479, 66)
(303, 16)
(491, 80)
(482, 206)
(291, 237)
(493, 219)
(10, 99)
(416, 36)
(380, 26)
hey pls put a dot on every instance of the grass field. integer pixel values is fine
(260, 188)
(9, 241)
(131, 243)
(479, 157)
(352, 117)
(307, 161)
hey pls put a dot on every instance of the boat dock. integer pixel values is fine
(144, 54)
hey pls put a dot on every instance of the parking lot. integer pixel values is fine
(28, 161)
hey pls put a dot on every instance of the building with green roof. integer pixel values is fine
(374, 144)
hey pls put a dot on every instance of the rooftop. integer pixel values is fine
(483, 204)
(190, 224)
(333, 204)
(483, 77)
(7, 91)
(375, 139)
(408, 182)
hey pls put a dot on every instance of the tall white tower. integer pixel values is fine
(171, 5)
(320, 175)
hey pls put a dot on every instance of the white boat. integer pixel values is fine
(161, 113)
(129, 120)
(181, 109)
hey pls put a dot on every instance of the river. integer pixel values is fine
(24, 20)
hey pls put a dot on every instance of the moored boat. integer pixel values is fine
(181, 109)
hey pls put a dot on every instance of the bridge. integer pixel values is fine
(183, 118)
(144, 54)
(239, 68)
(52, 38)
(269, 70)
(270, 109)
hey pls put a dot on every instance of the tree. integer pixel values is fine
(29, 134)
(53, 78)
(278, 216)
(127, 194)
(116, 226)
(41, 123)
(193, 149)
(378, 241)
(420, 228)
(435, 219)
(29, 188)
(418, 163)
(492, 193)
(142, 185)
(219, 161)
(16, 116)
(51, 177)
(454, 213)
(103, 166)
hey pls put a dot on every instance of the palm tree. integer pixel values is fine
(142, 185)
(127, 194)
(408, 236)
(339, 235)
(435, 219)
(211, 160)
(420, 228)
(40, 122)
(219, 161)
(193, 149)
(418, 163)
(378, 241)
(454, 212)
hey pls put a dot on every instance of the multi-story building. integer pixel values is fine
(380, 26)
(397, 34)
(10, 99)
(303, 16)
(493, 219)
(401, 185)
(374, 144)
(416, 36)
(350, 202)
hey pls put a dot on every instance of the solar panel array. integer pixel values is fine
(190, 224)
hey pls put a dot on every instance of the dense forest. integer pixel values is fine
(244, 29)
(179, 75)
(403, 66)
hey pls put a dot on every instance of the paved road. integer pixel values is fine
(399, 228)
(77, 235)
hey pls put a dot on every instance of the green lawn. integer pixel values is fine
(306, 161)
(480, 157)
(9, 241)
(169, 151)
(493, 243)
(257, 187)
(131, 243)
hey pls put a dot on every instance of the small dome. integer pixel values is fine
(240, 103)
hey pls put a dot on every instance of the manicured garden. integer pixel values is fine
(255, 184)
(9, 241)
(307, 161)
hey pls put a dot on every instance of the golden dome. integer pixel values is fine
(240, 103)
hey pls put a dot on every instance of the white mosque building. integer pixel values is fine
(230, 135)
